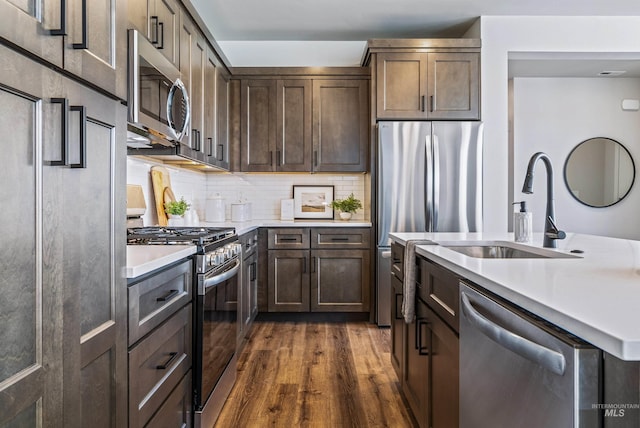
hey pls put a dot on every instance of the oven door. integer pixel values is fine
(215, 329)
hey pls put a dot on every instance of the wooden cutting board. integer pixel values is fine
(161, 181)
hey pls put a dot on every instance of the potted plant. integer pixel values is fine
(346, 206)
(175, 210)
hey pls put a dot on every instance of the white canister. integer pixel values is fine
(240, 212)
(215, 209)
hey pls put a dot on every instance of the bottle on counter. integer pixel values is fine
(522, 223)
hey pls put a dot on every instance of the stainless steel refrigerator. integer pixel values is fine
(429, 179)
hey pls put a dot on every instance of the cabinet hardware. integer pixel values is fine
(62, 31)
(398, 311)
(253, 271)
(422, 103)
(422, 349)
(304, 264)
(83, 136)
(313, 264)
(315, 158)
(271, 156)
(210, 146)
(161, 26)
(168, 296)
(278, 160)
(289, 239)
(433, 103)
(340, 239)
(220, 152)
(64, 131)
(172, 356)
(154, 34)
(83, 44)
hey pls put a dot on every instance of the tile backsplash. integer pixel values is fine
(264, 191)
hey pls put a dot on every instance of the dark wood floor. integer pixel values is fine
(297, 374)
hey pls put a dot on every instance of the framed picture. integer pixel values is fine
(312, 202)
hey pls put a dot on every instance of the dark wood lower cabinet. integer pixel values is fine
(425, 353)
(330, 273)
(288, 281)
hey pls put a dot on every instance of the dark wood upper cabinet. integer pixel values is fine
(303, 123)
(159, 20)
(258, 125)
(340, 125)
(293, 125)
(442, 85)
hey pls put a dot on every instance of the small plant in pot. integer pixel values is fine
(346, 206)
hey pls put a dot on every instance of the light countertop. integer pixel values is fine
(247, 226)
(596, 296)
(142, 259)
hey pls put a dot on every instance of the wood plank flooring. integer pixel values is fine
(315, 374)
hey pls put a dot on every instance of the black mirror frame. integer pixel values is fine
(566, 182)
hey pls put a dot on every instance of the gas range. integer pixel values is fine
(215, 247)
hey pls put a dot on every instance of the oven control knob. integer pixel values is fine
(207, 260)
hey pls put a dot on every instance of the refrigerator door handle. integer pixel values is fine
(433, 180)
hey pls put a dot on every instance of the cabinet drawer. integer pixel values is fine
(155, 298)
(440, 289)
(176, 410)
(342, 238)
(156, 366)
(288, 239)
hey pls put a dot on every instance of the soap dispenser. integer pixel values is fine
(522, 223)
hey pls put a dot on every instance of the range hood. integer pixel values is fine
(145, 143)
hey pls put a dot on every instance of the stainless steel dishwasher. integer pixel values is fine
(517, 370)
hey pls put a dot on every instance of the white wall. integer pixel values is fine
(504, 34)
(264, 190)
(553, 115)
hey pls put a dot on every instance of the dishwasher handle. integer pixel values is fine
(547, 358)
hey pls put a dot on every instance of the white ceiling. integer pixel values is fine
(334, 32)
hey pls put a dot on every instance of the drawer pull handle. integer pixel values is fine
(289, 239)
(339, 239)
(172, 356)
(168, 296)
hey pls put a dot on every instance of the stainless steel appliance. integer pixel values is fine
(158, 102)
(217, 267)
(429, 180)
(518, 370)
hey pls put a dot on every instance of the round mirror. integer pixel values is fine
(599, 172)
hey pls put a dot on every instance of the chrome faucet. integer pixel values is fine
(551, 231)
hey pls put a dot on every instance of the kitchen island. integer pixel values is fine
(595, 296)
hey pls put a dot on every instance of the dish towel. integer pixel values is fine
(409, 284)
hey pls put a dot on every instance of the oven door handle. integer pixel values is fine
(218, 279)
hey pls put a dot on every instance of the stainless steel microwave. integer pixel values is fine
(158, 100)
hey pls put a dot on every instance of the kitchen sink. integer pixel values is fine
(503, 250)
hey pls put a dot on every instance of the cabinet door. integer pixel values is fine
(288, 281)
(340, 280)
(258, 125)
(445, 365)
(293, 126)
(209, 101)
(340, 125)
(95, 315)
(253, 287)
(454, 88)
(415, 384)
(221, 148)
(38, 27)
(164, 28)
(30, 260)
(96, 45)
(401, 86)
(192, 60)
(398, 330)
